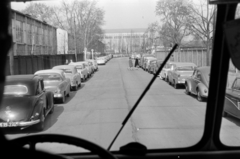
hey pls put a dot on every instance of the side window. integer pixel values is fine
(198, 75)
(236, 84)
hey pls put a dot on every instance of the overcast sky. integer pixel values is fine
(126, 14)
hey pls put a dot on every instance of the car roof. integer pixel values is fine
(64, 66)
(23, 78)
(49, 71)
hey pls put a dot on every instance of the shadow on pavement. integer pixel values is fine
(50, 120)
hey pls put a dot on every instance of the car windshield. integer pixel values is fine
(124, 36)
(15, 90)
(50, 77)
(185, 68)
(67, 71)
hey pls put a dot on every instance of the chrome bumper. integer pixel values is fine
(19, 124)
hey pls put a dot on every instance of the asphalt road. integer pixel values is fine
(165, 118)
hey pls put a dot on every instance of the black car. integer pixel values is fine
(25, 102)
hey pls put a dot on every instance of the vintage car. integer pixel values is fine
(101, 61)
(232, 99)
(25, 102)
(151, 66)
(198, 83)
(155, 66)
(91, 65)
(95, 65)
(70, 72)
(56, 82)
(147, 62)
(81, 68)
(179, 72)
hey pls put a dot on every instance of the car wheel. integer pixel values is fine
(52, 110)
(40, 126)
(80, 85)
(175, 85)
(199, 98)
(166, 79)
(68, 95)
(187, 89)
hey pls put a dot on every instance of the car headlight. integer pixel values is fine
(205, 91)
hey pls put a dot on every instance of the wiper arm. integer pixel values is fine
(142, 95)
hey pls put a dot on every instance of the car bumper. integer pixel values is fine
(19, 124)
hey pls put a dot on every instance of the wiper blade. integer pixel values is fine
(143, 94)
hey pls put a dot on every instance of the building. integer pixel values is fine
(124, 40)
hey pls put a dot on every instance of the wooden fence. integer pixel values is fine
(31, 64)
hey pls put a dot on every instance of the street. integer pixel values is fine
(165, 118)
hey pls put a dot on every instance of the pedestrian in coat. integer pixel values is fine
(136, 63)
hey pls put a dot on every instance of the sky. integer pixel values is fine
(119, 14)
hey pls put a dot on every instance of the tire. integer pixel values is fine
(80, 85)
(41, 125)
(187, 90)
(52, 110)
(166, 79)
(199, 98)
(68, 95)
(175, 85)
(52, 104)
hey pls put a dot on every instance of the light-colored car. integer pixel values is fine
(147, 62)
(179, 72)
(71, 72)
(164, 72)
(91, 65)
(101, 61)
(56, 82)
(95, 65)
(198, 83)
(81, 68)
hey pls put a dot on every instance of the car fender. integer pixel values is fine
(201, 87)
(189, 84)
(49, 96)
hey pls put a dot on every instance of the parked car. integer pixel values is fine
(95, 65)
(101, 61)
(198, 83)
(81, 69)
(147, 62)
(25, 102)
(179, 72)
(152, 65)
(91, 65)
(70, 72)
(56, 82)
(157, 66)
(232, 99)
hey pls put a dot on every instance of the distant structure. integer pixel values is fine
(124, 41)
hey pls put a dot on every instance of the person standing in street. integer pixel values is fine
(133, 62)
(136, 62)
(130, 63)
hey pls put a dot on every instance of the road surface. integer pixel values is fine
(166, 117)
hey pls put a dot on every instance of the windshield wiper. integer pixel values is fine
(143, 94)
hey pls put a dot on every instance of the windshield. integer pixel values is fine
(50, 77)
(185, 68)
(15, 90)
(125, 35)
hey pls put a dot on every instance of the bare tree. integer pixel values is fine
(202, 21)
(174, 17)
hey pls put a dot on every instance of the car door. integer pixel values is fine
(234, 93)
(195, 80)
(41, 95)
